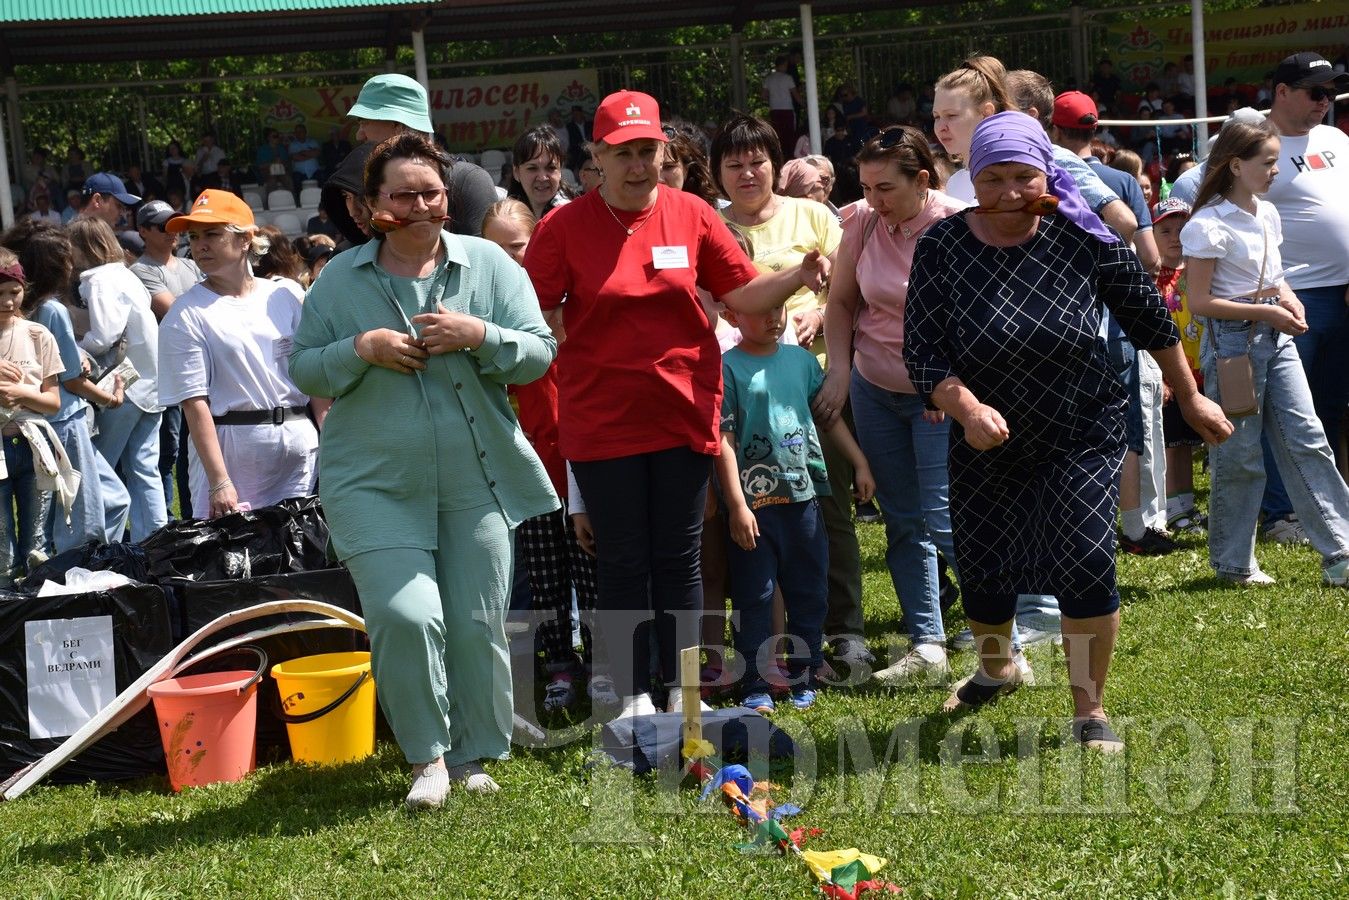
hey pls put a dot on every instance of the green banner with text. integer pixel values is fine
(1245, 45)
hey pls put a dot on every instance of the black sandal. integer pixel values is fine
(1096, 734)
(970, 694)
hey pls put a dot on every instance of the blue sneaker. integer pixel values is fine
(760, 703)
(803, 698)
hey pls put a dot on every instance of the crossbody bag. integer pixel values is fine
(1236, 377)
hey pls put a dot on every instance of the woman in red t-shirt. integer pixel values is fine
(639, 379)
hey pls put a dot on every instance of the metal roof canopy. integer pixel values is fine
(79, 34)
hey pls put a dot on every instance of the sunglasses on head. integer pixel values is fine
(890, 137)
(668, 131)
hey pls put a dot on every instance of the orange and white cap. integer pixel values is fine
(213, 207)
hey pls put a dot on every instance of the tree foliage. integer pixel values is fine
(177, 99)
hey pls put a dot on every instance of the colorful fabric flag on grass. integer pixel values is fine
(847, 874)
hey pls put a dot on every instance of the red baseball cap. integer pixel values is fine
(628, 116)
(1074, 109)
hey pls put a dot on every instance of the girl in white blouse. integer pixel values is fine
(1236, 280)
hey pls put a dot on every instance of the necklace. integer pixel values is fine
(636, 226)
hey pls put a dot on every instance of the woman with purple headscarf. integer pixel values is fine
(1002, 333)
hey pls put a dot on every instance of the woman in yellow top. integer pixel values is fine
(746, 161)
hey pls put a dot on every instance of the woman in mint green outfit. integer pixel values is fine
(423, 470)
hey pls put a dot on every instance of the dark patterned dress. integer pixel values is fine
(1021, 327)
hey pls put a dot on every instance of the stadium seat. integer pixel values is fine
(310, 197)
(280, 200)
(289, 223)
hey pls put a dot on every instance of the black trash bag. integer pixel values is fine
(124, 559)
(646, 743)
(194, 604)
(310, 547)
(142, 634)
(291, 536)
(190, 549)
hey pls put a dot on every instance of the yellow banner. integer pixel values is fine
(469, 113)
(1245, 44)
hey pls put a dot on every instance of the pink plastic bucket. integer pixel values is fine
(207, 724)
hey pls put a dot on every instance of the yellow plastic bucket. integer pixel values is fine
(328, 705)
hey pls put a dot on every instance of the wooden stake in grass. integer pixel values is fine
(690, 694)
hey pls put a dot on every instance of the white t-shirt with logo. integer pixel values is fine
(1311, 193)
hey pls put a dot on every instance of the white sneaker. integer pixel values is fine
(1254, 579)
(601, 690)
(474, 779)
(915, 669)
(1029, 637)
(638, 705)
(676, 704)
(430, 787)
(1286, 531)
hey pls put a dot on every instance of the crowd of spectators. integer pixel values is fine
(546, 372)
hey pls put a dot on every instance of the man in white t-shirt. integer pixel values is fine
(208, 154)
(42, 209)
(782, 96)
(1311, 193)
(165, 277)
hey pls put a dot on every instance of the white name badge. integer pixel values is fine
(670, 257)
(281, 350)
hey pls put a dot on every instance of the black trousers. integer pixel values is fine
(647, 514)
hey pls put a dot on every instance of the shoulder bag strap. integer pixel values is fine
(1260, 285)
(866, 232)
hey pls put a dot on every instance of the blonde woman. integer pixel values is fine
(226, 348)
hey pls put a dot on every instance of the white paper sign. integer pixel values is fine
(70, 673)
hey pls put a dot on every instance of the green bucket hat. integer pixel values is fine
(394, 98)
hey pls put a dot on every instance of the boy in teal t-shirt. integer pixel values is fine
(771, 470)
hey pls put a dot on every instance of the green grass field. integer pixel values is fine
(1233, 785)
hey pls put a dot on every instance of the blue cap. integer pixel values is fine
(107, 183)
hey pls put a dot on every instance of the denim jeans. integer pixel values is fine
(18, 492)
(173, 442)
(792, 553)
(1124, 359)
(1320, 349)
(130, 436)
(1288, 419)
(91, 511)
(908, 460)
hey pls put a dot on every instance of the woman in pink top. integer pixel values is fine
(871, 280)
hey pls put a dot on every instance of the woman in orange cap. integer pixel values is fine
(224, 349)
